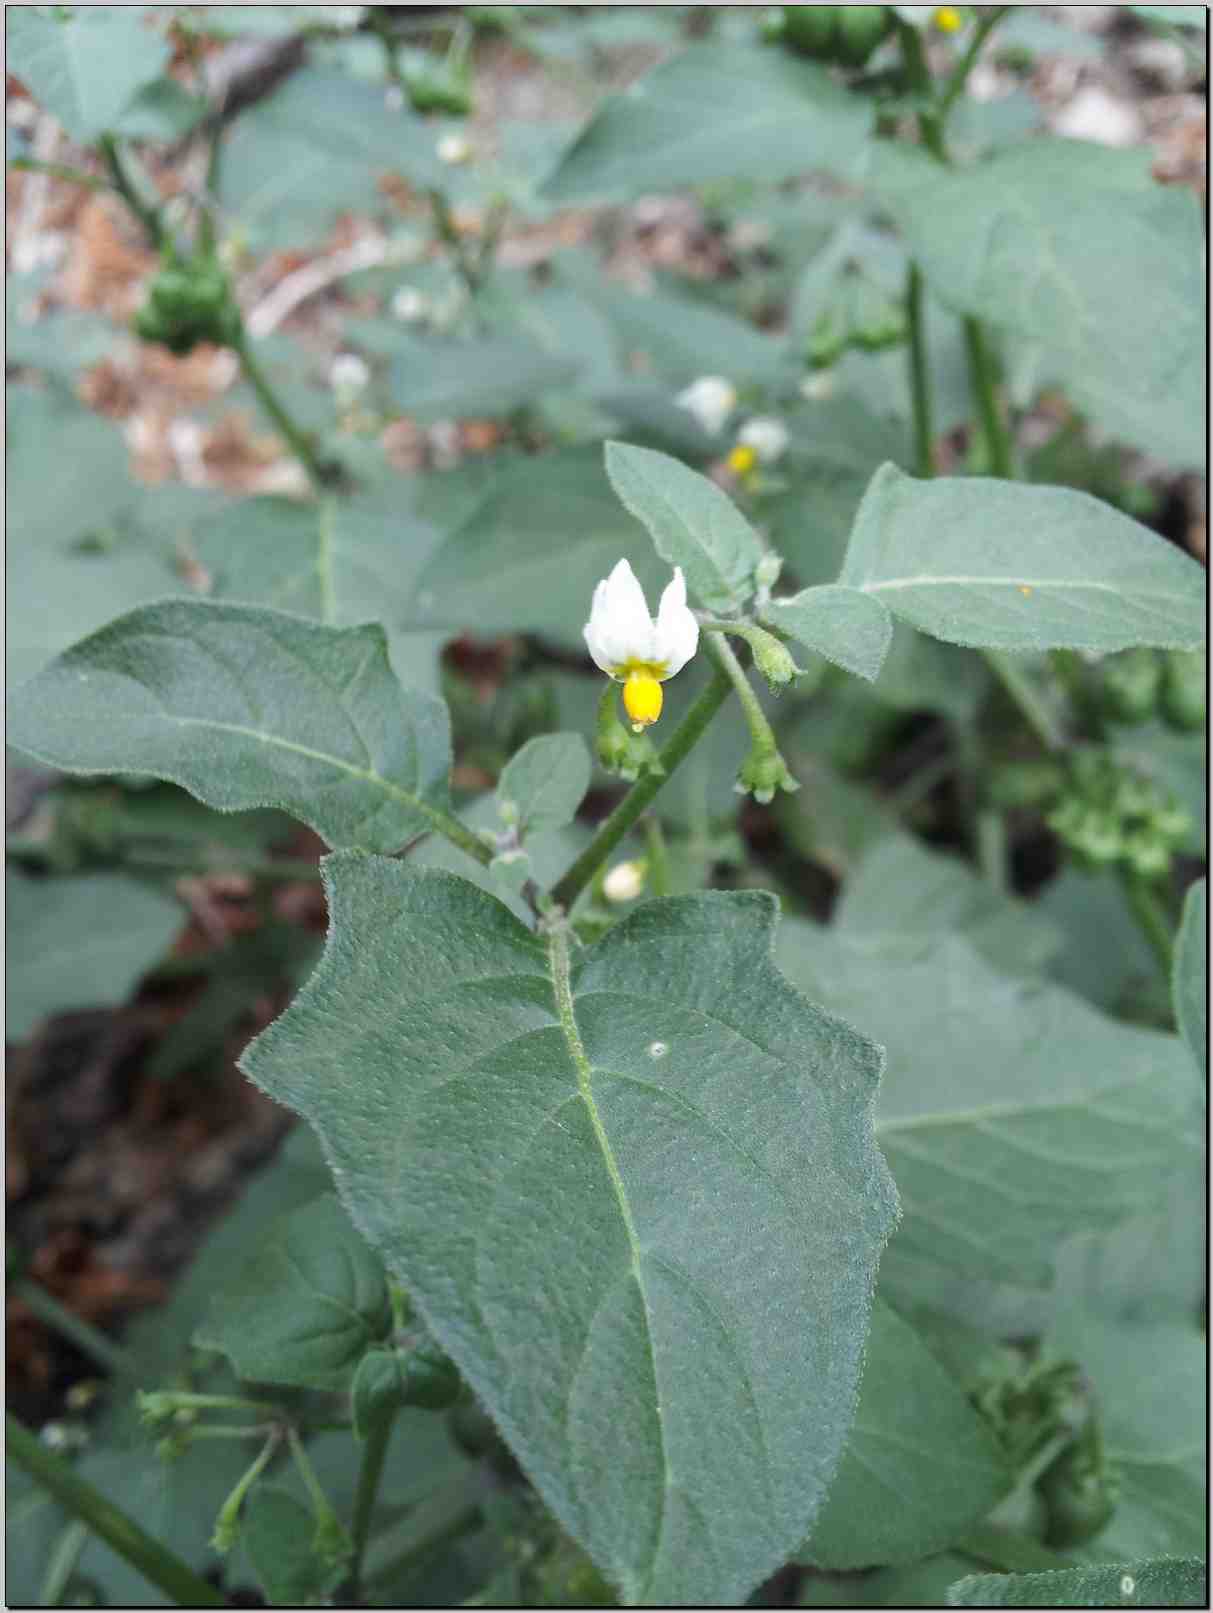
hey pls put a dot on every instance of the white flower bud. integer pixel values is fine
(455, 149)
(349, 374)
(711, 399)
(624, 883)
(767, 436)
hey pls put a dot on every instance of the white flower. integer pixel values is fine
(711, 399)
(410, 304)
(455, 149)
(624, 883)
(634, 649)
(349, 374)
(767, 436)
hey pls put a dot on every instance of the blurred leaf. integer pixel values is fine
(277, 1532)
(84, 942)
(83, 64)
(1190, 976)
(434, 380)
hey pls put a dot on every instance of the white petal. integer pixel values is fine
(677, 629)
(767, 436)
(711, 399)
(598, 647)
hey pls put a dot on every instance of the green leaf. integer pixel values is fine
(1151, 1396)
(246, 707)
(1190, 975)
(542, 785)
(305, 1307)
(341, 561)
(531, 550)
(440, 380)
(637, 1226)
(1177, 16)
(852, 629)
(1012, 240)
(902, 888)
(1011, 1114)
(714, 112)
(923, 1584)
(691, 522)
(277, 1532)
(84, 65)
(1105, 958)
(919, 1465)
(1005, 566)
(1161, 1582)
(84, 943)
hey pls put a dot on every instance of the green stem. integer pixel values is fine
(718, 647)
(60, 170)
(1151, 918)
(299, 441)
(469, 270)
(920, 375)
(1033, 708)
(959, 77)
(62, 1565)
(981, 373)
(681, 742)
(87, 1339)
(369, 1474)
(120, 1532)
(148, 216)
(659, 862)
(918, 75)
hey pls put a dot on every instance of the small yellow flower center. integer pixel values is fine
(642, 698)
(947, 19)
(742, 459)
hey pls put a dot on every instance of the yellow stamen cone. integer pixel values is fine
(642, 699)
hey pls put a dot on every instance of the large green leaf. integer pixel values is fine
(247, 707)
(1011, 567)
(634, 1194)
(1159, 1582)
(1190, 977)
(691, 522)
(1012, 241)
(714, 112)
(83, 64)
(341, 561)
(850, 628)
(80, 943)
(530, 551)
(1012, 1114)
(437, 380)
(1150, 1389)
(902, 888)
(919, 1466)
(305, 1306)
(541, 786)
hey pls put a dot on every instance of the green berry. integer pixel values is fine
(810, 30)
(860, 30)
(1131, 684)
(1185, 683)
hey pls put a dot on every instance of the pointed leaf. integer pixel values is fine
(850, 628)
(305, 1307)
(1011, 567)
(542, 785)
(84, 942)
(85, 65)
(691, 522)
(633, 1194)
(1190, 976)
(919, 1467)
(1158, 1582)
(714, 112)
(246, 707)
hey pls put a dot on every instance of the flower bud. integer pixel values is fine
(625, 882)
(772, 658)
(762, 773)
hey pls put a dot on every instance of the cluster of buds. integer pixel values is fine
(1109, 815)
(187, 303)
(1139, 684)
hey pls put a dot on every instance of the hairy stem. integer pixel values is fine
(124, 184)
(718, 647)
(959, 77)
(298, 440)
(981, 372)
(683, 740)
(120, 1532)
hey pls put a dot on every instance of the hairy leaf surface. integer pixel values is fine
(1190, 977)
(1157, 1582)
(634, 1193)
(850, 628)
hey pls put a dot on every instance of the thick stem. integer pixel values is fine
(369, 1474)
(683, 740)
(981, 372)
(920, 375)
(157, 1565)
(110, 1357)
(122, 182)
(300, 443)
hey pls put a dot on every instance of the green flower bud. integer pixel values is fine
(828, 336)
(859, 30)
(438, 87)
(1185, 684)
(762, 773)
(1147, 855)
(772, 658)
